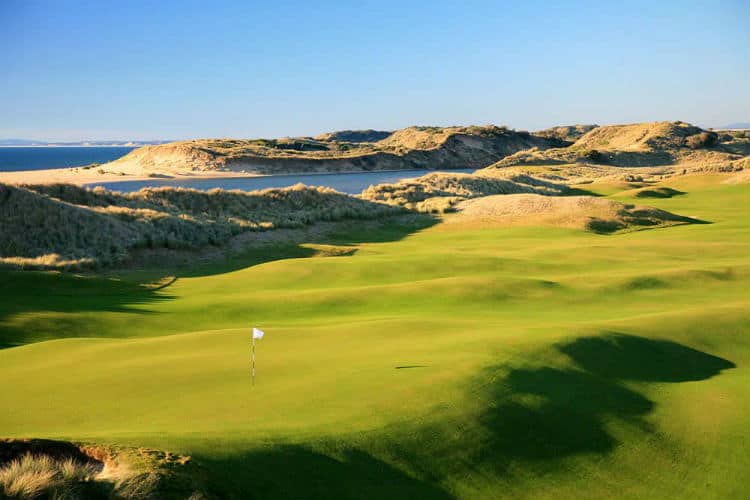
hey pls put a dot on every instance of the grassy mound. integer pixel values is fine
(438, 192)
(568, 133)
(354, 136)
(589, 213)
(65, 225)
(59, 470)
(640, 136)
(642, 145)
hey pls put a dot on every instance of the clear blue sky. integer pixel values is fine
(155, 69)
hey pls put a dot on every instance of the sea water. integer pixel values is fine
(37, 158)
(41, 158)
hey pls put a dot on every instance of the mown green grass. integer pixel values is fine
(452, 363)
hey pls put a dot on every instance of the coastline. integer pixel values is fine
(80, 176)
(129, 145)
(84, 177)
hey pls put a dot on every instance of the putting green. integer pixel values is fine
(448, 362)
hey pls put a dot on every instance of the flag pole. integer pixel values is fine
(253, 358)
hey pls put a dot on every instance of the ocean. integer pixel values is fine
(40, 158)
(350, 183)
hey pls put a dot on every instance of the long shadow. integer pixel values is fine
(292, 472)
(53, 292)
(533, 415)
(45, 292)
(618, 356)
(251, 249)
(548, 413)
(659, 192)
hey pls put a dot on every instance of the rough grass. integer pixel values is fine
(41, 476)
(48, 226)
(641, 145)
(567, 133)
(439, 192)
(638, 136)
(413, 147)
(578, 212)
(59, 470)
(354, 136)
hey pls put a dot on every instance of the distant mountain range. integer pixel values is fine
(29, 142)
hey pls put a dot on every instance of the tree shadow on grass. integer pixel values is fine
(536, 416)
(548, 413)
(618, 356)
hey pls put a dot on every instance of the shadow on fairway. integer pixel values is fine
(40, 292)
(570, 405)
(49, 292)
(537, 415)
(296, 472)
(659, 192)
(249, 252)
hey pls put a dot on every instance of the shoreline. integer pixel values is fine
(134, 145)
(80, 177)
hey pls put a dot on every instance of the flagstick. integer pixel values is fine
(253, 357)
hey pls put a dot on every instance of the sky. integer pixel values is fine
(75, 70)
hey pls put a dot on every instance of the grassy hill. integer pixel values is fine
(644, 145)
(439, 192)
(449, 362)
(581, 212)
(62, 225)
(414, 147)
(70, 227)
(567, 133)
(631, 145)
(368, 135)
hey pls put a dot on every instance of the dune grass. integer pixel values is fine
(67, 226)
(39, 469)
(41, 476)
(455, 362)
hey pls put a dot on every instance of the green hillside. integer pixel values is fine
(455, 361)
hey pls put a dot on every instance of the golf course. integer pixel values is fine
(421, 250)
(437, 356)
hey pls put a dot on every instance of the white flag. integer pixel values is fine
(258, 333)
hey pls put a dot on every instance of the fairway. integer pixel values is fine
(436, 360)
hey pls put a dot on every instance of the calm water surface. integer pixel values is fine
(40, 158)
(351, 183)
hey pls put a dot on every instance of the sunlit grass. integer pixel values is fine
(454, 362)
